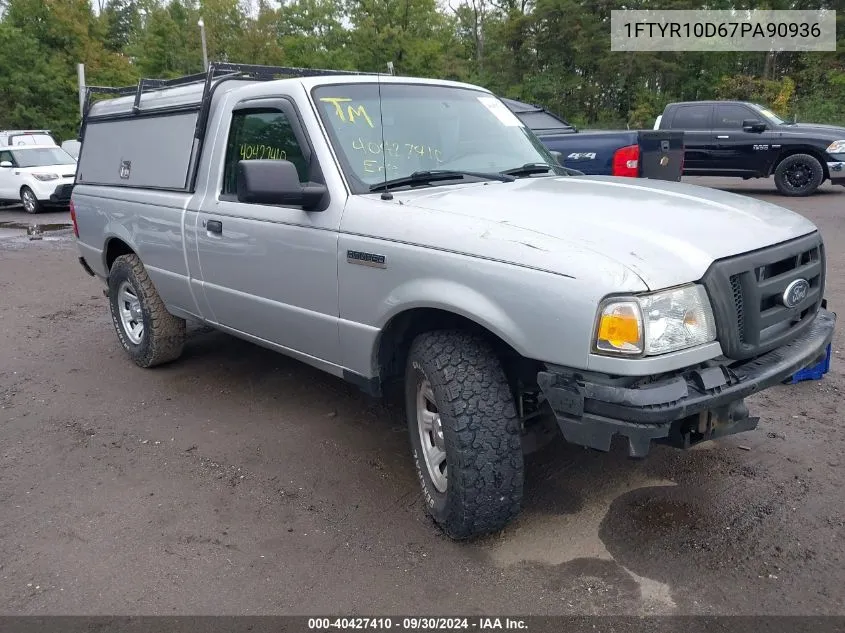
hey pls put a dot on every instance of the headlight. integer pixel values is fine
(655, 323)
(46, 176)
(837, 147)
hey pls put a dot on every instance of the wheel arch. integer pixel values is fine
(393, 343)
(115, 247)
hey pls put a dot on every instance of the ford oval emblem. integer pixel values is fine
(796, 292)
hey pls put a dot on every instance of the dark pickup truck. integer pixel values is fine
(747, 140)
(632, 153)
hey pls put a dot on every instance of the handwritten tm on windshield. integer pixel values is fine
(351, 110)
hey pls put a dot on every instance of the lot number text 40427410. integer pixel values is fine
(418, 624)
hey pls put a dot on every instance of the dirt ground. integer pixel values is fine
(237, 481)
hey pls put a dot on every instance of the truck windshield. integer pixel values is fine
(426, 128)
(774, 118)
(42, 157)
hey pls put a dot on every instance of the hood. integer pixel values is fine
(832, 132)
(667, 233)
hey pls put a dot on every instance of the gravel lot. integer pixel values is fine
(237, 481)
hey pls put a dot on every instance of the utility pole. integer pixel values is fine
(201, 24)
(80, 75)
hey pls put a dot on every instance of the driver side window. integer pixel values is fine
(730, 117)
(260, 135)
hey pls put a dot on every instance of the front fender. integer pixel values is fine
(542, 315)
(460, 299)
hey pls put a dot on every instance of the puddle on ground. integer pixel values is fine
(41, 227)
(554, 539)
(32, 230)
(560, 539)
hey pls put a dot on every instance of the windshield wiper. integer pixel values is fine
(528, 169)
(428, 177)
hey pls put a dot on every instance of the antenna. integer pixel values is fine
(385, 195)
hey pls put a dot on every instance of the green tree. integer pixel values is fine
(552, 52)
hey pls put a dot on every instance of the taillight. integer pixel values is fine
(626, 161)
(73, 219)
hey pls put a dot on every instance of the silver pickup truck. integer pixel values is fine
(413, 233)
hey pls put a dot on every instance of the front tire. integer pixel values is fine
(799, 175)
(465, 434)
(29, 201)
(146, 330)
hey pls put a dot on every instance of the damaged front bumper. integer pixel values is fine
(686, 408)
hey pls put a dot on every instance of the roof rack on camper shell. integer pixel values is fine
(186, 100)
(217, 73)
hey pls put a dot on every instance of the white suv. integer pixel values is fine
(37, 176)
(26, 137)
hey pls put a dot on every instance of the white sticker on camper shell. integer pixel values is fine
(500, 111)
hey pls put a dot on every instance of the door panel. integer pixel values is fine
(270, 271)
(695, 121)
(698, 150)
(7, 178)
(738, 151)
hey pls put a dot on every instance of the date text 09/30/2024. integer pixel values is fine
(479, 623)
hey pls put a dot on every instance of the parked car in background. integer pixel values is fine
(747, 140)
(27, 137)
(37, 176)
(630, 153)
(72, 147)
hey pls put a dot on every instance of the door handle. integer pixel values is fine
(214, 226)
(723, 136)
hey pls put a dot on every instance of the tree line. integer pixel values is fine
(551, 52)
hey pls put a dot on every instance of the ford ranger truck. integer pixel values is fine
(412, 233)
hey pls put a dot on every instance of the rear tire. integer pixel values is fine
(798, 175)
(468, 456)
(146, 330)
(29, 201)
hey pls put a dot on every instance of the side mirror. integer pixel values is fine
(558, 156)
(753, 125)
(276, 182)
(6, 164)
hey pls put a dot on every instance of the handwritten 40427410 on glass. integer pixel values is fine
(356, 114)
(260, 151)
